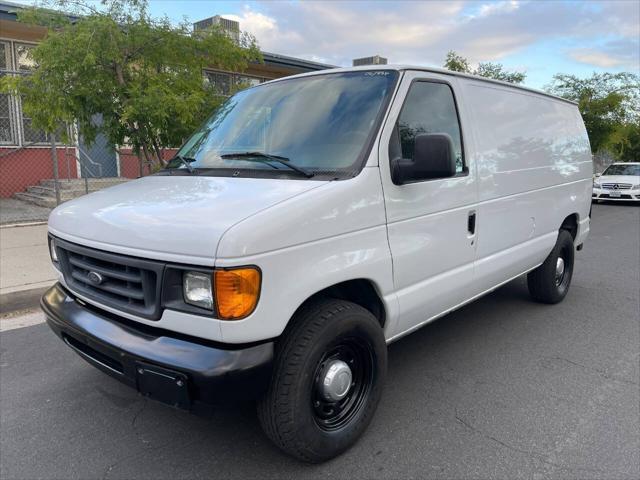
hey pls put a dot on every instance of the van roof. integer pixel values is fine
(442, 71)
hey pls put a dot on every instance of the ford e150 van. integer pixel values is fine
(307, 224)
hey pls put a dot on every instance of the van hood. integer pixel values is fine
(172, 218)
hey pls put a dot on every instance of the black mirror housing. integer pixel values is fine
(433, 157)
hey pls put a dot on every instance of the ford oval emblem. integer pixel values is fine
(95, 278)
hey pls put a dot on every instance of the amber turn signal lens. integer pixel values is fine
(236, 292)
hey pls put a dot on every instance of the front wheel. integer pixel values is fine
(549, 283)
(328, 376)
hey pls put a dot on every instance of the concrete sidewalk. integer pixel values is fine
(25, 266)
(14, 211)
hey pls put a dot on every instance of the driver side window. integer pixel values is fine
(429, 108)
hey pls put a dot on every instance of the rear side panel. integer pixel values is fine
(534, 169)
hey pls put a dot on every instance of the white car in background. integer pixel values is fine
(619, 182)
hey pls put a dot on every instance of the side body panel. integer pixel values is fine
(427, 222)
(534, 169)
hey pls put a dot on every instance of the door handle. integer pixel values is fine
(471, 223)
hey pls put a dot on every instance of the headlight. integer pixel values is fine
(596, 185)
(196, 287)
(233, 291)
(636, 187)
(236, 292)
(52, 251)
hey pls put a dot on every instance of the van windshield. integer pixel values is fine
(321, 124)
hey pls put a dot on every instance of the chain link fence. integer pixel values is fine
(37, 176)
(39, 171)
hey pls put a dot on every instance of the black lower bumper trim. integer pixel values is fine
(186, 374)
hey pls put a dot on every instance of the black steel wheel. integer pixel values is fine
(334, 412)
(327, 381)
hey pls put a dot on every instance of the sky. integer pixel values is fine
(539, 37)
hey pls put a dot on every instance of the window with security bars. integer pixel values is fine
(32, 135)
(224, 82)
(247, 81)
(7, 133)
(220, 81)
(5, 56)
(24, 59)
(7, 112)
(16, 128)
(26, 63)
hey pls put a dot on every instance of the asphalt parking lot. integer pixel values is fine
(503, 388)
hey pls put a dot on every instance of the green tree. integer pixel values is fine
(498, 72)
(457, 63)
(143, 76)
(625, 142)
(609, 106)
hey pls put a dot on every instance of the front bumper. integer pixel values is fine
(182, 371)
(618, 195)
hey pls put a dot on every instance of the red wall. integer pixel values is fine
(27, 166)
(130, 165)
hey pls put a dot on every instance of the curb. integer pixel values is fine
(21, 300)
(23, 224)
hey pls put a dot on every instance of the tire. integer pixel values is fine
(549, 283)
(295, 413)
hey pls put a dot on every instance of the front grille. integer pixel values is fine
(616, 186)
(620, 197)
(128, 284)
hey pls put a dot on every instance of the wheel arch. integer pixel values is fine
(361, 291)
(570, 224)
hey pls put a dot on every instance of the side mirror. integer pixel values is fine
(433, 157)
(598, 175)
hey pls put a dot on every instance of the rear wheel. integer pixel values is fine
(327, 380)
(549, 283)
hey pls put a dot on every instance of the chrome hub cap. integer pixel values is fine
(559, 270)
(336, 381)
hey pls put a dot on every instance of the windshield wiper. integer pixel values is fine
(186, 161)
(267, 157)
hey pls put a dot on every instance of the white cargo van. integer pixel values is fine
(308, 223)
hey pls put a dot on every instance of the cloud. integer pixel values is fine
(487, 9)
(266, 28)
(423, 32)
(342, 31)
(619, 18)
(592, 57)
(623, 53)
